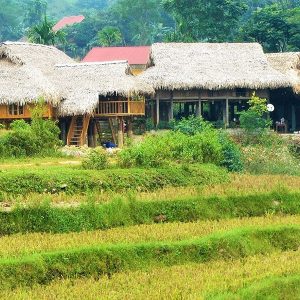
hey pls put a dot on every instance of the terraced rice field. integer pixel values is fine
(215, 256)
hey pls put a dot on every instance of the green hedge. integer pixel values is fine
(107, 260)
(284, 287)
(72, 181)
(46, 218)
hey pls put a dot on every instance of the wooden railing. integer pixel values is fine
(120, 108)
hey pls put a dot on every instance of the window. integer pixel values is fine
(15, 109)
(241, 93)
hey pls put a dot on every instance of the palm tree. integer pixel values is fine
(43, 33)
(110, 36)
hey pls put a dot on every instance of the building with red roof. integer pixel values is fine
(137, 56)
(67, 21)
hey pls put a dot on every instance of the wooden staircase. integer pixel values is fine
(78, 130)
(107, 129)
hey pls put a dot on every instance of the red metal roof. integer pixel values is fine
(134, 55)
(68, 21)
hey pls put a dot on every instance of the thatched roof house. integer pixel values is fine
(26, 72)
(212, 66)
(83, 83)
(288, 64)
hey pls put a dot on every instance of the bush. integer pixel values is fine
(97, 159)
(192, 140)
(173, 147)
(41, 137)
(254, 121)
(192, 125)
(232, 155)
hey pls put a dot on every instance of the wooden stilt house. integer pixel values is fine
(26, 72)
(287, 101)
(99, 99)
(209, 79)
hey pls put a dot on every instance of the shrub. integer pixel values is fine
(192, 125)
(173, 147)
(232, 155)
(254, 121)
(41, 137)
(96, 159)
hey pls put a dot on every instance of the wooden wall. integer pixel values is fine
(4, 112)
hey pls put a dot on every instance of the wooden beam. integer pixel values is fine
(227, 113)
(157, 110)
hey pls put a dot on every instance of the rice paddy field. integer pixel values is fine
(237, 239)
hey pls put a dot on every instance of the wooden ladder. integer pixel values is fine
(106, 130)
(78, 130)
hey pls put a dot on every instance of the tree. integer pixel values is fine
(206, 20)
(10, 20)
(275, 27)
(110, 36)
(43, 33)
(140, 21)
(34, 12)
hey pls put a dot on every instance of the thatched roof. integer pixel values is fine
(288, 64)
(26, 72)
(211, 66)
(82, 84)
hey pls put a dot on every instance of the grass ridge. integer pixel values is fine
(106, 260)
(119, 212)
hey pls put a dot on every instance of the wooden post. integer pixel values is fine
(129, 128)
(63, 129)
(157, 110)
(227, 113)
(171, 112)
(293, 118)
(91, 134)
(120, 133)
(198, 108)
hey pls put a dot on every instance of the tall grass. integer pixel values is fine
(25, 244)
(46, 218)
(274, 287)
(189, 281)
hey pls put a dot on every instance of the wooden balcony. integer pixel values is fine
(120, 108)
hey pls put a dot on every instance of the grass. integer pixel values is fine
(71, 180)
(273, 287)
(44, 267)
(239, 184)
(91, 216)
(27, 244)
(189, 281)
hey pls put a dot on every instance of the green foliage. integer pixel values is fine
(107, 260)
(218, 22)
(232, 155)
(192, 140)
(72, 181)
(43, 33)
(41, 137)
(97, 159)
(110, 36)
(254, 121)
(170, 147)
(192, 125)
(275, 27)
